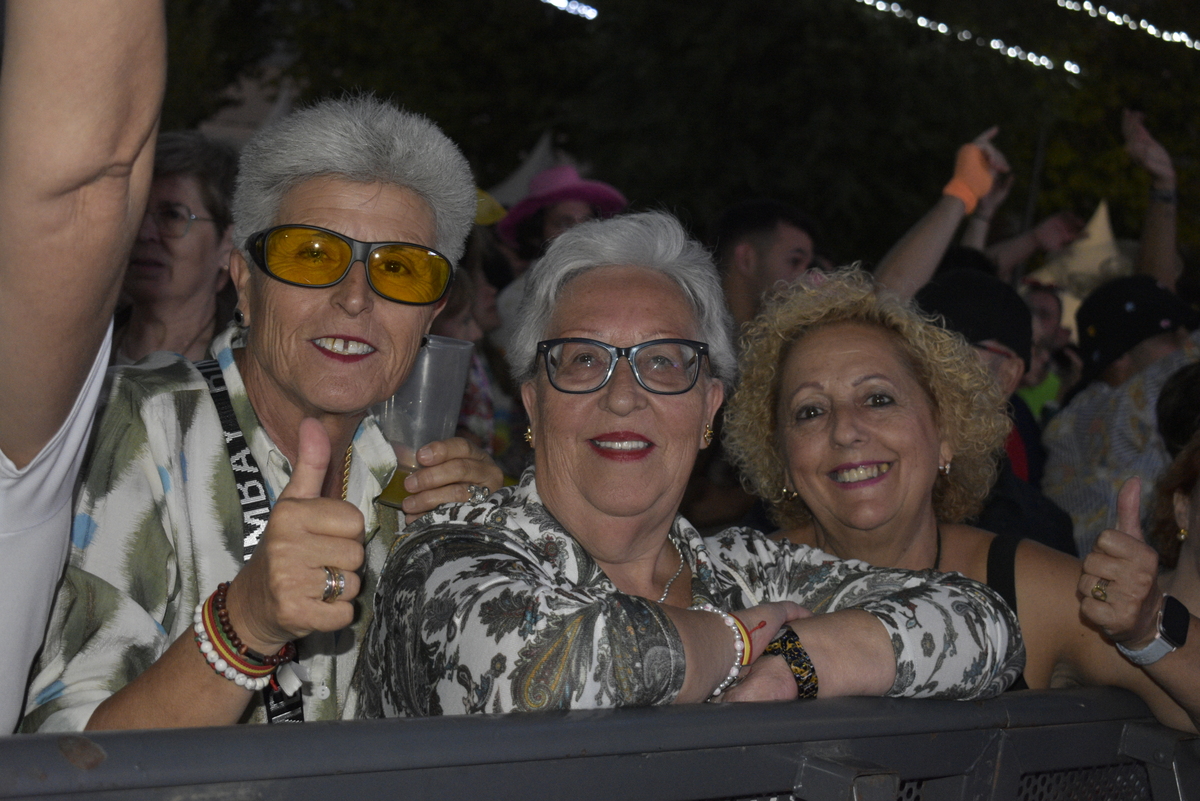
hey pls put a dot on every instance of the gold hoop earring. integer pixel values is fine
(529, 434)
(708, 434)
(944, 470)
(1182, 535)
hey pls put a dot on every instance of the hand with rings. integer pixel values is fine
(452, 471)
(335, 584)
(1119, 586)
(301, 577)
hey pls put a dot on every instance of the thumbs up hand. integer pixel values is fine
(1119, 585)
(277, 596)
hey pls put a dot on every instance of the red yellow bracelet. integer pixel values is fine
(224, 650)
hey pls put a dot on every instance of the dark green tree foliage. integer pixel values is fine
(845, 110)
(210, 44)
(494, 75)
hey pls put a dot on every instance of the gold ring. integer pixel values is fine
(1100, 591)
(335, 584)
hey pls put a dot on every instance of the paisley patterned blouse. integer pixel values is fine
(493, 607)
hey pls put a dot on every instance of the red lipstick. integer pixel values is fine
(621, 446)
(337, 348)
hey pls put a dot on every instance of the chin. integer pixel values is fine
(347, 403)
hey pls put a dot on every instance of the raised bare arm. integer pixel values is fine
(80, 93)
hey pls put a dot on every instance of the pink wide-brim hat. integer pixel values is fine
(553, 186)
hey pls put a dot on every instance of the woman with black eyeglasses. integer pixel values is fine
(583, 587)
(226, 529)
(177, 283)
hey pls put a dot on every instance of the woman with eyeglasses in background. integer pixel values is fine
(583, 587)
(177, 283)
(227, 527)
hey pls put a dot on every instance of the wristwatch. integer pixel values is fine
(1173, 622)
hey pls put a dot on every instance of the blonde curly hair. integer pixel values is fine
(968, 408)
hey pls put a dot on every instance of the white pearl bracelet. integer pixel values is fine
(739, 645)
(214, 659)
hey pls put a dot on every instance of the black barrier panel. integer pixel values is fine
(1077, 744)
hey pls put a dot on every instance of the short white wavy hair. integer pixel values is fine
(360, 139)
(651, 240)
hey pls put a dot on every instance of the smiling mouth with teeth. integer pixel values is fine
(861, 473)
(621, 445)
(344, 347)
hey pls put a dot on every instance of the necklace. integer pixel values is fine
(937, 559)
(346, 471)
(678, 571)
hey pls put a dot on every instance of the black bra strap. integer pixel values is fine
(1002, 577)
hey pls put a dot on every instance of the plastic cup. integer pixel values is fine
(425, 408)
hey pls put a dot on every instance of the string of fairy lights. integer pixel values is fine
(573, 7)
(963, 35)
(1126, 21)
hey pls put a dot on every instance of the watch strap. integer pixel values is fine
(1173, 623)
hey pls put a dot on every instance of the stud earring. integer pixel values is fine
(944, 469)
(529, 434)
(1182, 535)
(708, 434)
(788, 495)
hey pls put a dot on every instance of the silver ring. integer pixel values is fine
(478, 494)
(335, 584)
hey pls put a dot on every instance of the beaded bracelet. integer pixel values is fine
(286, 654)
(225, 657)
(787, 645)
(740, 644)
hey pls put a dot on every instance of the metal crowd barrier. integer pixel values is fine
(1067, 744)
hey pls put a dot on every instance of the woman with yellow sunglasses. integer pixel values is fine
(227, 530)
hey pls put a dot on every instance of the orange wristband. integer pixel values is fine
(972, 177)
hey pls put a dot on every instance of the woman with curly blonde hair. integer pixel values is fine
(873, 433)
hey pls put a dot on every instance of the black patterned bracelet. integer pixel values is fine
(787, 645)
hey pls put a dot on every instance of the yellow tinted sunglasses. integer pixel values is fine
(305, 255)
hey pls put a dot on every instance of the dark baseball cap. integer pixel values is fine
(1122, 313)
(980, 307)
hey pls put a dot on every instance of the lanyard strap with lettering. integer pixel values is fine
(256, 508)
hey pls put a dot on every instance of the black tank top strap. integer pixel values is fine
(1002, 577)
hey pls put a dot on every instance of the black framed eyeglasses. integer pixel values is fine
(305, 255)
(174, 220)
(662, 366)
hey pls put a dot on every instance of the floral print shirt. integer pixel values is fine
(158, 525)
(493, 607)
(1105, 436)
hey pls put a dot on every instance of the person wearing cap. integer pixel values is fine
(1132, 338)
(558, 200)
(991, 316)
